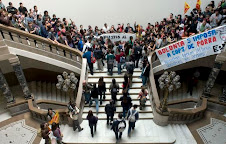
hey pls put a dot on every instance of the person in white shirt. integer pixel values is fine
(87, 45)
(215, 18)
(201, 27)
(106, 27)
(74, 112)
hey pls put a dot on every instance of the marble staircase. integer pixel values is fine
(134, 91)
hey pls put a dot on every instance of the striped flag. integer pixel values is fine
(186, 7)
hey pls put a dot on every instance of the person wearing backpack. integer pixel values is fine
(114, 89)
(110, 111)
(120, 58)
(142, 97)
(126, 103)
(110, 62)
(101, 89)
(118, 127)
(130, 70)
(145, 74)
(92, 122)
(99, 54)
(89, 55)
(73, 112)
(94, 96)
(132, 117)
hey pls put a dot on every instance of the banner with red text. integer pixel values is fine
(192, 48)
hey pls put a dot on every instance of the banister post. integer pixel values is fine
(15, 62)
(5, 89)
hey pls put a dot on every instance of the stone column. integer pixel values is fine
(5, 89)
(20, 76)
(219, 61)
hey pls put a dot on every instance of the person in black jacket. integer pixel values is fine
(126, 103)
(101, 88)
(94, 96)
(110, 110)
(118, 127)
(99, 55)
(92, 121)
(145, 74)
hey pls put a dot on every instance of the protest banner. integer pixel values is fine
(192, 48)
(118, 36)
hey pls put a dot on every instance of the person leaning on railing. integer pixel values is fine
(4, 17)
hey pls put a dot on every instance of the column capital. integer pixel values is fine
(14, 61)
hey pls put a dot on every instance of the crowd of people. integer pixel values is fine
(129, 55)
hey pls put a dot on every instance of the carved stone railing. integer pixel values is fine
(80, 100)
(173, 115)
(41, 115)
(187, 116)
(25, 41)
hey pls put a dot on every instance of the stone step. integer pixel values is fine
(115, 70)
(115, 75)
(147, 109)
(133, 97)
(186, 132)
(102, 116)
(118, 103)
(131, 92)
(134, 85)
(109, 80)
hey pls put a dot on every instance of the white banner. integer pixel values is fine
(192, 48)
(118, 36)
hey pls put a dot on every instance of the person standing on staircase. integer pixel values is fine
(110, 111)
(110, 62)
(89, 55)
(126, 103)
(120, 58)
(142, 97)
(145, 74)
(130, 70)
(132, 117)
(99, 54)
(118, 127)
(125, 84)
(101, 89)
(74, 112)
(94, 96)
(92, 122)
(114, 89)
(86, 91)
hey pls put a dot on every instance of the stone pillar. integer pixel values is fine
(5, 89)
(219, 61)
(20, 76)
(211, 80)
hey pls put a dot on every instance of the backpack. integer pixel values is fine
(93, 59)
(111, 61)
(96, 119)
(132, 117)
(114, 89)
(122, 59)
(121, 126)
(130, 68)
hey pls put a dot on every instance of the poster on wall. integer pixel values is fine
(118, 36)
(192, 48)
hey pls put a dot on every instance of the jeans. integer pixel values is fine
(91, 68)
(119, 68)
(97, 104)
(99, 64)
(125, 110)
(76, 125)
(109, 117)
(118, 135)
(93, 127)
(144, 80)
(114, 97)
(87, 97)
(102, 93)
(131, 126)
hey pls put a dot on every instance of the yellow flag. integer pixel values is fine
(186, 7)
(198, 4)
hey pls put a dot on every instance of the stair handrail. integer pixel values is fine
(80, 98)
(41, 39)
